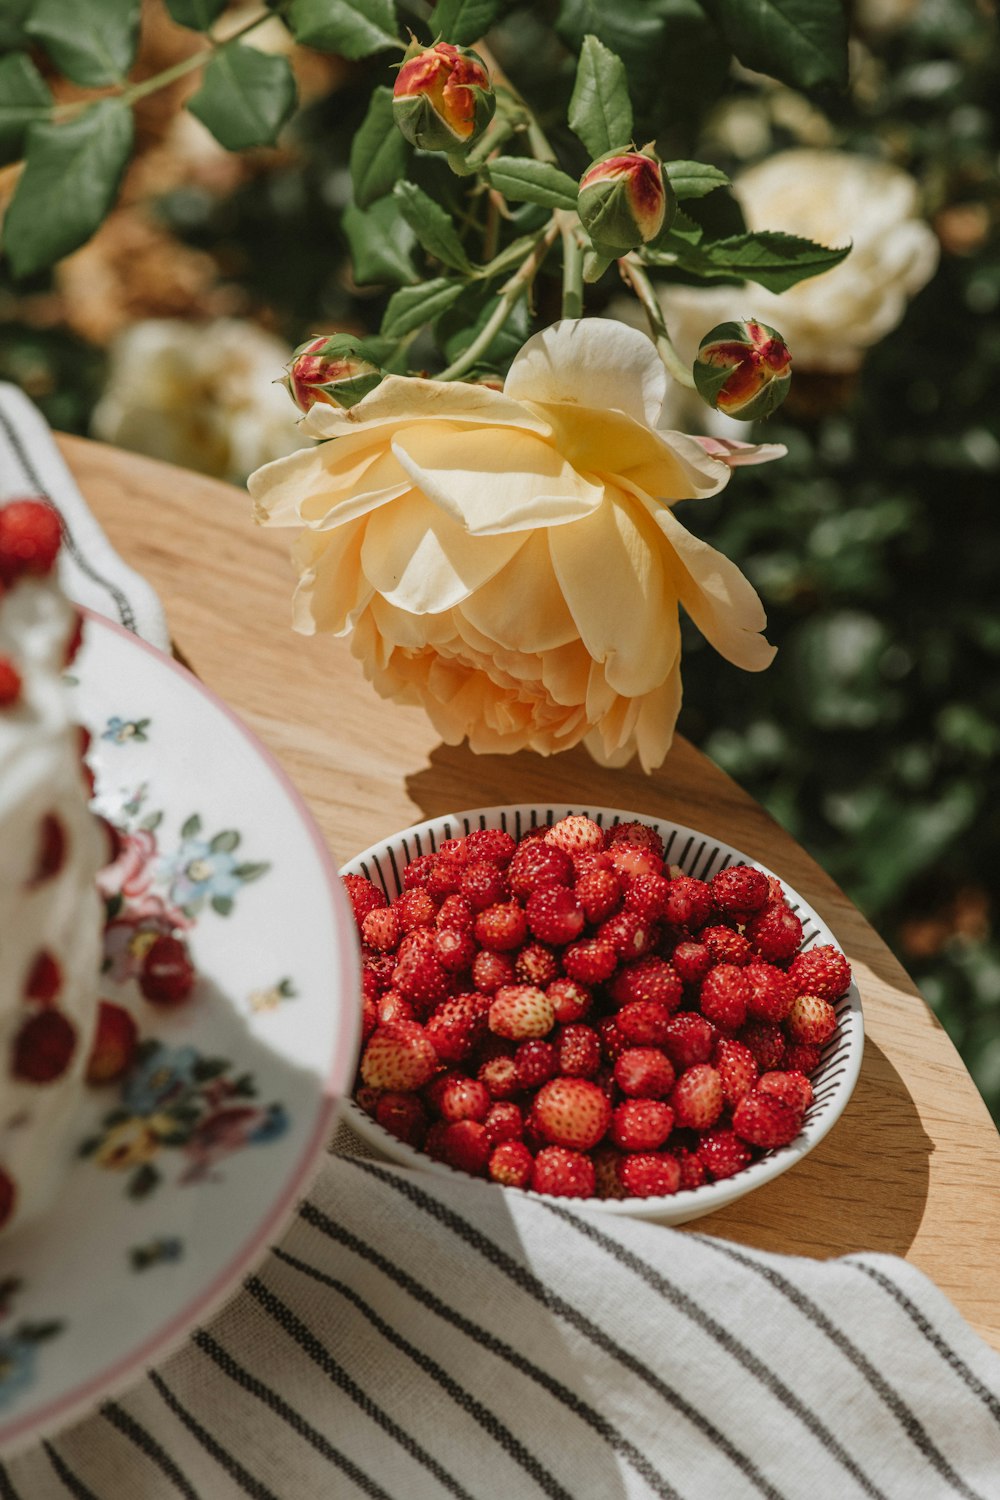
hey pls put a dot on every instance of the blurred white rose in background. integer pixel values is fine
(202, 395)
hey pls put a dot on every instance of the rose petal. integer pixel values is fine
(667, 464)
(736, 454)
(404, 401)
(522, 607)
(423, 562)
(722, 603)
(596, 363)
(332, 588)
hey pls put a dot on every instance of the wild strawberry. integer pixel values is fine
(414, 908)
(571, 1000)
(466, 1146)
(363, 896)
(647, 896)
(811, 1020)
(688, 1039)
(44, 979)
(571, 1112)
(775, 933)
(535, 1062)
(392, 1006)
(822, 971)
(376, 972)
(400, 1057)
(578, 1051)
(168, 975)
(456, 1025)
(420, 977)
(456, 1097)
(380, 929)
(631, 860)
(495, 845)
(537, 964)
(10, 682)
(641, 1124)
(739, 890)
(591, 960)
(692, 961)
(692, 1171)
(454, 949)
(491, 970)
(649, 979)
(8, 1197)
(502, 927)
(643, 1023)
(607, 1183)
(737, 1067)
(765, 1120)
(791, 1087)
(554, 914)
(455, 912)
(800, 1057)
(418, 872)
(722, 1154)
(640, 835)
(726, 945)
(369, 1017)
(644, 1073)
(612, 1041)
(504, 1122)
(771, 992)
(445, 876)
(434, 1140)
(455, 849)
(630, 935)
(696, 1098)
(650, 1174)
(766, 1041)
(577, 834)
(511, 1164)
(597, 861)
(689, 902)
(723, 997)
(44, 1047)
(51, 852)
(563, 1173)
(114, 1043)
(520, 1012)
(599, 892)
(30, 533)
(366, 1098)
(536, 864)
(403, 1116)
(499, 1075)
(484, 885)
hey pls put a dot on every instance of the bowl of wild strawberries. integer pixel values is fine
(595, 1004)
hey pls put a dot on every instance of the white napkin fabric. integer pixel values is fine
(92, 573)
(416, 1337)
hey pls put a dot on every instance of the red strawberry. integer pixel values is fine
(641, 1124)
(688, 1039)
(445, 875)
(640, 835)
(457, 1025)
(403, 1116)
(44, 979)
(599, 892)
(415, 908)
(168, 975)
(766, 1041)
(631, 860)
(456, 1097)
(811, 1020)
(511, 1164)
(612, 1041)
(689, 903)
(494, 845)
(722, 1154)
(380, 929)
(648, 896)
(607, 1183)
(571, 1000)
(521, 1011)
(723, 997)
(775, 933)
(692, 961)
(418, 872)
(765, 1120)
(791, 1086)
(364, 896)
(554, 914)
(649, 979)
(419, 975)
(630, 935)
(43, 1048)
(740, 889)
(726, 945)
(491, 970)
(454, 949)
(537, 863)
(501, 927)
(504, 1122)
(737, 1067)
(578, 1050)
(692, 1171)
(771, 992)
(696, 1098)
(399, 1057)
(369, 1017)
(465, 1146)
(499, 1074)
(590, 961)
(392, 1006)
(455, 913)
(115, 1041)
(30, 533)
(535, 1062)
(643, 1023)
(644, 1073)
(563, 1173)
(571, 1112)
(483, 884)
(822, 971)
(800, 1057)
(10, 682)
(576, 834)
(536, 964)
(650, 1174)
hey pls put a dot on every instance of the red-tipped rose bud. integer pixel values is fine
(442, 99)
(332, 369)
(625, 200)
(743, 370)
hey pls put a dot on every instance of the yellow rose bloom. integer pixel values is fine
(510, 560)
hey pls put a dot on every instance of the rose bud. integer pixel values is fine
(625, 200)
(332, 369)
(442, 99)
(743, 370)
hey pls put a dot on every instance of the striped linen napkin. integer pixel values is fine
(415, 1337)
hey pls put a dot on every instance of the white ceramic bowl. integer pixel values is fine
(696, 854)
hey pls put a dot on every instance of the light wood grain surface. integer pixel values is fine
(913, 1166)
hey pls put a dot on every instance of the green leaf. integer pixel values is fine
(13, 19)
(600, 111)
(23, 93)
(775, 261)
(432, 226)
(694, 179)
(198, 14)
(222, 904)
(69, 183)
(250, 872)
(468, 316)
(802, 42)
(225, 842)
(92, 41)
(245, 96)
(354, 28)
(191, 828)
(524, 180)
(379, 152)
(463, 22)
(381, 243)
(413, 306)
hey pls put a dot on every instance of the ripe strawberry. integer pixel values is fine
(415, 908)
(494, 845)
(650, 1174)
(722, 1154)
(456, 1026)
(607, 1183)
(737, 1067)
(465, 1146)
(578, 1051)
(739, 890)
(591, 960)
(766, 1041)
(554, 914)
(483, 884)
(643, 1023)
(502, 927)
(492, 970)
(630, 935)
(571, 1112)
(535, 1062)
(723, 997)
(801, 1057)
(455, 1096)
(420, 977)
(790, 1086)
(536, 864)
(631, 860)
(380, 929)
(689, 903)
(115, 1041)
(599, 892)
(612, 1041)
(369, 1017)
(688, 1039)
(648, 896)
(576, 834)
(563, 1173)
(696, 1098)
(363, 896)
(771, 992)
(168, 975)
(400, 1057)
(504, 1122)
(822, 971)
(10, 682)
(571, 1000)
(30, 533)
(43, 1048)
(392, 1006)
(403, 1116)
(644, 1073)
(44, 979)
(692, 1171)
(511, 1164)
(417, 872)
(649, 979)
(775, 933)
(445, 875)
(692, 961)
(641, 1124)
(521, 1011)
(726, 945)
(765, 1120)
(376, 972)
(537, 964)
(640, 835)
(811, 1020)
(499, 1074)
(455, 912)
(454, 949)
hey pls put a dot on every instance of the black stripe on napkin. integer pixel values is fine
(7, 1490)
(246, 1481)
(906, 1418)
(76, 1486)
(479, 1335)
(311, 1345)
(726, 1340)
(534, 1287)
(147, 1444)
(270, 1398)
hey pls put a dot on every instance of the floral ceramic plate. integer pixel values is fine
(188, 1167)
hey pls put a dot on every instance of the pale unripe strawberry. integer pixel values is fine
(399, 1056)
(625, 200)
(442, 99)
(743, 370)
(520, 1012)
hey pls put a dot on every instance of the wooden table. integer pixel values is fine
(913, 1166)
